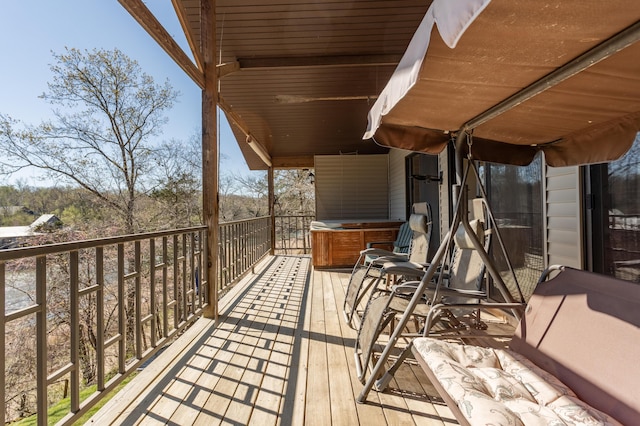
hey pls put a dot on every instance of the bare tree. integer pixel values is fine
(254, 190)
(177, 182)
(294, 192)
(101, 137)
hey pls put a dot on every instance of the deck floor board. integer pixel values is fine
(281, 354)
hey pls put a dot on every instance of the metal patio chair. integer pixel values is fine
(367, 275)
(460, 282)
(425, 290)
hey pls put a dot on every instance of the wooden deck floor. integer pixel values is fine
(281, 355)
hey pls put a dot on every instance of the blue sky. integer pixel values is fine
(30, 31)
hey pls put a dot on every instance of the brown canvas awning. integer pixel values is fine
(580, 56)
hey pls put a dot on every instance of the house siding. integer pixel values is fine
(563, 224)
(398, 184)
(352, 187)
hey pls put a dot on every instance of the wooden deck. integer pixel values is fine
(281, 354)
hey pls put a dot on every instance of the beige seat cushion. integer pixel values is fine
(502, 387)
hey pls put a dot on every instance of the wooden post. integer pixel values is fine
(272, 211)
(210, 151)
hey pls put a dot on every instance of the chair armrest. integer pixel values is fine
(407, 287)
(388, 257)
(370, 244)
(405, 268)
(473, 294)
(376, 252)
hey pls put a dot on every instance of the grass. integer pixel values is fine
(61, 408)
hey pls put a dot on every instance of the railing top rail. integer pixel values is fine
(17, 253)
(253, 219)
(41, 250)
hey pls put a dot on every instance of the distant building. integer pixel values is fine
(11, 210)
(13, 236)
(46, 222)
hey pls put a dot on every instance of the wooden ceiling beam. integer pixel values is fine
(251, 140)
(233, 116)
(228, 68)
(154, 28)
(294, 162)
(320, 61)
(307, 62)
(194, 43)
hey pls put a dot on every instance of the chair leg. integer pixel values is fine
(382, 383)
(355, 292)
(375, 319)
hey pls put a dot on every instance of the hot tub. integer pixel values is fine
(337, 243)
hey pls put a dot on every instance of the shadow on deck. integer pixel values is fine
(281, 354)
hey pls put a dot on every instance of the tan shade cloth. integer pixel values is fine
(591, 117)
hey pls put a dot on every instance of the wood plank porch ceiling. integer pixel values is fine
(304, 74)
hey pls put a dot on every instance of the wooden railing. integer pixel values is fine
(92, 312)
(242, 244)
(292, 234)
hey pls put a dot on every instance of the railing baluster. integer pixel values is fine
(239, 248)
(204, 275)
(74, 301)
(100, 333)
(254, 240)
(165, 298)
(138, 299)
(122, 326)
(41, 339)
(234, 250)
(183, 262)
(176, 271)
(222, 253)
(192, 274)
(242, 248)
(287, 233)
(3, 347)
(152, 291)
(200, 270)
(229, 256)
(229, 252)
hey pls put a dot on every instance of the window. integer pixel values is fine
(515, 197)
(613, 217)
(423, 184)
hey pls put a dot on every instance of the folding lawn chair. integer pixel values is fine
(364, 276)
(463, 281)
